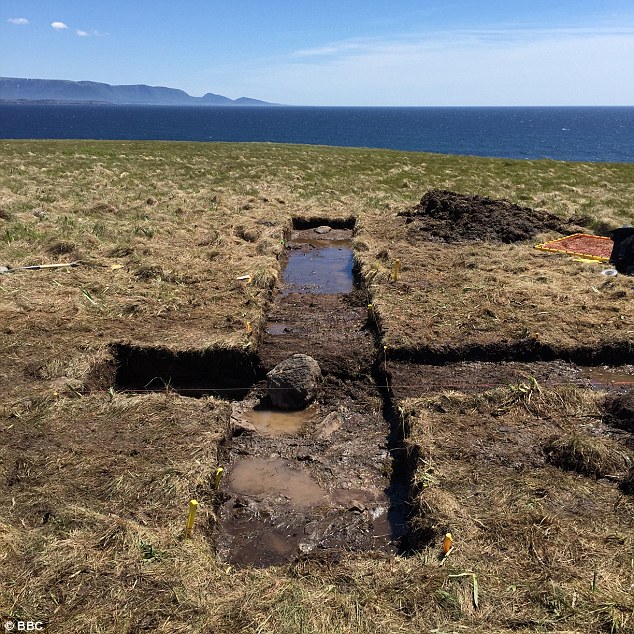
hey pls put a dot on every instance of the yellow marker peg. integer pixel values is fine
(248, 327)
(189, 527)
(218, 478)
(397, 266)
(447, 544)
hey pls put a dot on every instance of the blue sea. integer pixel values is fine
(561, 133)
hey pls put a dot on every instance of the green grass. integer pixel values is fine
(77, 175)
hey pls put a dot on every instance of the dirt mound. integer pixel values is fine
(450, 217)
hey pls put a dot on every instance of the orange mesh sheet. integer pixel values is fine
(582, 245)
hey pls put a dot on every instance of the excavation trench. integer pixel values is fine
(336, 476)
(411, 378)
(223, 373)
(327, 478)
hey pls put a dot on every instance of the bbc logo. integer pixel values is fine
(24, 626)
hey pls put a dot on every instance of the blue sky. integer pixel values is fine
(327, 52)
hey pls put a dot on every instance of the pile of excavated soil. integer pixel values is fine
(450, 217)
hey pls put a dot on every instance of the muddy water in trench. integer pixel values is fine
(319, 267)
(316, 480)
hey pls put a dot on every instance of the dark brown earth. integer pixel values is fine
(309, 319)
(620, 410)
(446, 216)
(328, 485)
(325, 487)
(410, 380)
(330, 328)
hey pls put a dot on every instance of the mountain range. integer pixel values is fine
(14, 89)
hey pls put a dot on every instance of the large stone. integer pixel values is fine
(293, 383)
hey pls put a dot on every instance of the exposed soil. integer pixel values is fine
(620, 410)
(317, 480)
(330, 328)
(446, 216)
(226, 374)
(322, 487)
(318, 311)
(409, 380)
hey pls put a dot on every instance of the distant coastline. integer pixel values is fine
(53, 102)
(18, 91)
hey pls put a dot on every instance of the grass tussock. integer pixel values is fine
(586, 455)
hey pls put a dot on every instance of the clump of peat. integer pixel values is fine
(448, 216)
(619, 409)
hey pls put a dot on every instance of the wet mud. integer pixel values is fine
(321, 479)
(338, 476)
(410, 379)
(322, 486)
(319, 309)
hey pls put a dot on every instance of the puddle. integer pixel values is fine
(319, 267)
(277, 329)
(276, 511)
(605, 376)
(278, 422)
(274, 478)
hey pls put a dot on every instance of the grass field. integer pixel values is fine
(95, 482)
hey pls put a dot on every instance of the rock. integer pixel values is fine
(329, 426)
(242, 427)
(293, 383)
(356, 506)
(323, 229)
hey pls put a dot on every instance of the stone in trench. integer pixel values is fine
(323, 229)
(329, 426)
(293, 383)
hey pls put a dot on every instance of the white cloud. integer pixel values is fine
(480, 67)
(58, 26)
(18, 21)
(335, 49)
(82, 33)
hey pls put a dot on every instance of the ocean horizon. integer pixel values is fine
(566, 133)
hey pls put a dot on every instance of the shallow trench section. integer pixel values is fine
(321, 479)
(411, 374)
(223, 373)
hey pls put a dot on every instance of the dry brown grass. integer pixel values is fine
(584, 454)
(479, 294)
(95, 486)
(552, 550)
